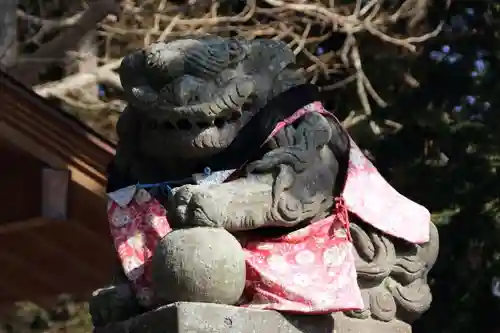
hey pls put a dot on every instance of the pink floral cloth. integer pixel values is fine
(310, 270)
(368, 195)
(137, 223)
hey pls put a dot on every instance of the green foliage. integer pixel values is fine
(66, 315)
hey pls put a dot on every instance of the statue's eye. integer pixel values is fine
(236, 51)
(186, 89)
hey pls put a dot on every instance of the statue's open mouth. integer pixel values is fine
(197, 94)
(229, 118)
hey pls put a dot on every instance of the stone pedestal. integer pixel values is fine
(214, 318)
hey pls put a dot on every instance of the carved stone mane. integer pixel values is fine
(392, 274)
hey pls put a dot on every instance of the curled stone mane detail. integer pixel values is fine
(392, 274)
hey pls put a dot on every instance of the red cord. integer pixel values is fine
(343, 215)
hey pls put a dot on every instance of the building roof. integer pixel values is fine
(41, 257)
(50, 134)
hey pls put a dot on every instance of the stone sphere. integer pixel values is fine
(198, 265)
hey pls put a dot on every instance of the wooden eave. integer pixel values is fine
(53, 136)
(40, 257)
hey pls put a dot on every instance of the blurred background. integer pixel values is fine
(414, 81)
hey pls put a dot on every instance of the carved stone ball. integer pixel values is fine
(198, 265)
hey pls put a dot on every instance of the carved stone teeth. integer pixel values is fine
(186, 125)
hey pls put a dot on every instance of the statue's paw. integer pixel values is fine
(182, 194)
(178, 205)
(194, 206)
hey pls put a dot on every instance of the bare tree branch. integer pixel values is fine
(28, 68)
(77, 81)
(8, 32)
(359, 27)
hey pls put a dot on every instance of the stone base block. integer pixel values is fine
(214, 318)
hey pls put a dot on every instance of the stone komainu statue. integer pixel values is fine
(224, 140)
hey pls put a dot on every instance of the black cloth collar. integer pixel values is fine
(247, 144)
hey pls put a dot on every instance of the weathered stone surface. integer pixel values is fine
(188, 262)
(214, 318)
(113, 304)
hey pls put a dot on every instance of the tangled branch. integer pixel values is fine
(312, 28)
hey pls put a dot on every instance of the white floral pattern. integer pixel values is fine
(142, 196)
(133, 267)
(137, 241)
(136, 229)
(120, 218)
(302, 280)
(334, 256)
(305, 257)
(277, 263)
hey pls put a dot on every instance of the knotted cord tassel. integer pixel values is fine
(342, 215)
